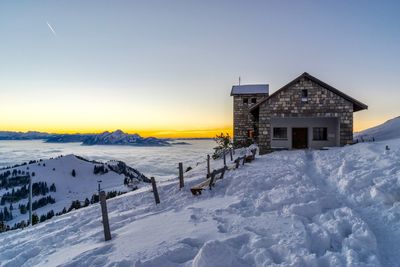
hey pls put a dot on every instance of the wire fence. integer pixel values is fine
(210, 165)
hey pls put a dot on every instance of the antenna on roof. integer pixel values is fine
(239, 80)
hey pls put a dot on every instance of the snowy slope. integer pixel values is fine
(68, 188)
(339, 207)
(385, 131)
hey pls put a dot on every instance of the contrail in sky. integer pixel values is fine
(51, 28)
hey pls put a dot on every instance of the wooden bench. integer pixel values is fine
(209, 183)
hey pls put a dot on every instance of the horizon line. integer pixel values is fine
(199, 133)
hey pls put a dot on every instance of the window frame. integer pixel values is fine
(304, 95)
(322, 135)
(253, 100)
(280, 138)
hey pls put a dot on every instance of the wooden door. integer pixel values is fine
(299, 138)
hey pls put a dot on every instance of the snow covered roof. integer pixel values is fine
(250, 89)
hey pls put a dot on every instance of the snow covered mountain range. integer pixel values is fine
(59, 181)
(117, 137)
(7, 135)
(385, 131)
(120, 138)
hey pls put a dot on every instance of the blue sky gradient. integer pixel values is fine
(165, 66)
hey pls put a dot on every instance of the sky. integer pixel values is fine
(165, 68)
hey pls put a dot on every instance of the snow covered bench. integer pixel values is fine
(246, 158)
(196, 190)
(237, 161)
(252, 156)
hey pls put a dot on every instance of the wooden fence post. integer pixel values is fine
(155, 191)
(104, 214)
(30, 200)
(212, 179)
(224, 158)
(208, 166)
(230, 152)
(237, 161)
(181, 182)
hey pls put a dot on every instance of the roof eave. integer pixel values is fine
(359, 107)
(232, 94)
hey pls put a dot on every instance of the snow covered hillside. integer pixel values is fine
(60, 180)
(339, 207)
(385, 131)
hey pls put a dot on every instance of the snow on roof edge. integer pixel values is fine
(250, 89)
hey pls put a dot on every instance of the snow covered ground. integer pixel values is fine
(339, 207)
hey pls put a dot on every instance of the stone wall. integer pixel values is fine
(320, 103)
(243, 120)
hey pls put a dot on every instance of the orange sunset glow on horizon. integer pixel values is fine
(359, 125)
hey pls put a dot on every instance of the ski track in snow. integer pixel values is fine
(339, 207)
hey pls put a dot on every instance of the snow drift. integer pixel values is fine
(338, 207)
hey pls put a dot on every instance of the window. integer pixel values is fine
(254, 100)
(320, 134)
(250, 134)
(280, 133)
(245, 100)
(304, 95)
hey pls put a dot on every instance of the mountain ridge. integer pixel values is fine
(117, 137)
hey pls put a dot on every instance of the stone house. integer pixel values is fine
(305, 113)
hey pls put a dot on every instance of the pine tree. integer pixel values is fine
(77, 204)
(22, 209)
(87, 202)
(53, 188)
(6, 214)
(43, 218)
(50, 214)
(223, 143)
(73, 173)
(35, 219)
